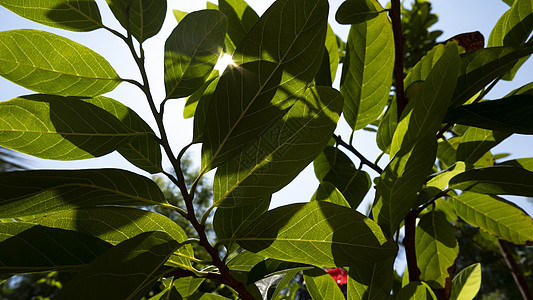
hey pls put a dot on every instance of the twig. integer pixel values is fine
(395, 15)
(363, 159)
(517, 273)
(410, 247)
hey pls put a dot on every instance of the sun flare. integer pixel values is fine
(224, 61)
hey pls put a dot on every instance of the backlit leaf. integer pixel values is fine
(51, 64)
(142, 18)
(328, 192)
(357, 11)
(229, 221)
(72, 15)
(192, 50)
(245, 261)
(122, 271)
(321, 285)
(496, 216)
(274, 65)
(476, 142)
(269, 267)
(367, 70)
(525, 163)
(200, 115)
(416, 290)
(29, 193)
(370, 280)
(206, 89)
(466, 284)
(241, 18)
(318, 233)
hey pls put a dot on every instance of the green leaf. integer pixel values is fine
(424, 113)
(466, 284)
(479, 68)
(447, 152)
(179, 15)
(508, 114)
(436, 248)
(62, 128)
(241, 18)
(416, 290)
(497, 180)
(357, 11)
(332, 48)
(143, 151)
(333, 166)
(230, 221)
(142, 18)
(26, 247)
(192, 50)
(321, 285)
(419, 73)
(269, 267)
(244, 261)
(509, 2)
(370, 281)
(367, 70)
(72, 15)
(387, 126)
(476, 142)
(274, 65)
(496, 216)
(186, 286)
(398, 185)
(122, 271)
(30, 193)
(318, 233)
(206, 89)
(51, 64)
(117, 224)
(524, 163)
(200, 115)
(524, 90)
(279, 155)
(168, 291)
(328, 192)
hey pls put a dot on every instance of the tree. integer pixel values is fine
(272, 112)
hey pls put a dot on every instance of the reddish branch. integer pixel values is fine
(395, 15)
(518, 276)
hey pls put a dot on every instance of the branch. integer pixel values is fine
(518, 276)
(363, 159)
(410, 247)
(395, 15)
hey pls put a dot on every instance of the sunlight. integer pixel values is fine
(224, 61)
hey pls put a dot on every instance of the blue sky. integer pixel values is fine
(456, 16)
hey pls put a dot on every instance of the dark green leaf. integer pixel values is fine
(62, 128)
(142, 18)
(416, 290)
(367, 70)
(436, 248)
(229, 221)
(278, 156)
(497, 180)
(496, 216)
(370, 281)
(168, 292)
(508, 114)
(192, 50)
(271, 267)
(476, 142)
(26, 247)
(524, 90)
(122, 271)
(466, 284)
(245, 261)
(51, 64)
(241, 18)
(274, 65)
(328, 192)
(525, 163)
(357, 11)
(200, 115)
(186, 286)
(72, 15)
(206, 89)
(387, 126)
(419, 73)
(29, 193)
(318, 233)
(321, 285)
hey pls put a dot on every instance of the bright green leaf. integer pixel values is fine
(61, 128)
(122, 271)
(524, 163)
(367, 70)
(321, 285)
(436, 248)
(278, 156)
(416, 290)
(419, 73)
(497, 180)
(328, 192)
(142, 18)
(241, 18)
(51, 64)
(318, 233)
(179, 14)
(192, 50)
(332, 48)
(387, 126)
(496, 216)
(466, 284)
(186, 286)
(476, 142)
(245, 261)
(274, 65)
(269, 267)
(72, 15)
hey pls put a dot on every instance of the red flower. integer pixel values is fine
(339, 275)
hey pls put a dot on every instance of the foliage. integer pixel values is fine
(272, 112)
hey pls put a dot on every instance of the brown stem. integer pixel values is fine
(363, 159)
(518, 276)
(395, 15)
(409, 244)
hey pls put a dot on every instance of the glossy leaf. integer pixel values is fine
(26, 247)
(229, 221)
(370, 281)
(317, 233)
(321, 285)
(29, 193)
(476, 142)
(241, 18)
(72, 15)
(507, 114)
(192, 50)
(51, 64)
(142, 18)
(416, 290)
(367, 70)
(496, 216)
(328, 192)
(333, 166)
(61, 128)
(278, 156)
(466, 284)
(269, 267)
(398, 185)
(424, 113)
(436, 248)
(357, 11)
(122, 271)
(274, 65)
(117, 224)
(497, 180)
(479, 68)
